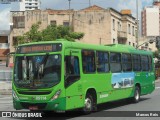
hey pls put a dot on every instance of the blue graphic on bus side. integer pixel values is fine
(123, 80)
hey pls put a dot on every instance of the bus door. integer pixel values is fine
(73, 84)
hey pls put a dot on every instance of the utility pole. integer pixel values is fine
(89, 3)
(137, 39)
(69, 11)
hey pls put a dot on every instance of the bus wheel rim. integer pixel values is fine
(88, 104)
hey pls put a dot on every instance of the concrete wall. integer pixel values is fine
(95, 25)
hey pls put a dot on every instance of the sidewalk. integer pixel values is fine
(158, 80)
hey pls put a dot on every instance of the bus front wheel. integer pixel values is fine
(88, 104)
(136, 97)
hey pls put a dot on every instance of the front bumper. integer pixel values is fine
(55, 105)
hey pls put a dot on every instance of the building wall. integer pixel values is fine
(130, 27)
(116, 25)
(32, 4)
(59, 17)
(95, 25)
(103, 26)
(22, 22)
(152, 27)
(150, 24)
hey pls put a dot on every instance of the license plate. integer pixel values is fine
(33, 107)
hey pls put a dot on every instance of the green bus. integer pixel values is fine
(62, 75)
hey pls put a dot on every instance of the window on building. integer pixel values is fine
(30, 3)
(102, 61)
(129, 29)
(113, 24)
(88, 61)
(129, 43)
(66, 23)
(53, 22)
(115, 62)
(19, 22)
(119, 26)
(133, 31)
(126, 62)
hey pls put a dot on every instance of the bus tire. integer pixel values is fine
(88, 104)
(136, 97)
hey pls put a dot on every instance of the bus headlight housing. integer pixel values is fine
(56, 95)
(14, 95)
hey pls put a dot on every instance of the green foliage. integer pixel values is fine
(51, 33)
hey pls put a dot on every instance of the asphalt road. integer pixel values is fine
(149, 102)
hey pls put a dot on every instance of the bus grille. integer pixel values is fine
(39, 105)
(34, 93)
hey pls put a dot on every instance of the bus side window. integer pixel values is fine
(136, 63)
(115, 62)
(144, 63)
(102, 61)
(88, 61)
(126, 62)
(71, 65)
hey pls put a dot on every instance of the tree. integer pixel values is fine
(51, 33)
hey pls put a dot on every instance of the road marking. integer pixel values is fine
(2, 98)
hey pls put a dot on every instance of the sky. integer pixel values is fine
(77, 5)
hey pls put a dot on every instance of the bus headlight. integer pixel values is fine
(14, 95)
(56, 95)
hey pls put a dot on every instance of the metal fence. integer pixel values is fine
(5, 75)
(5, 79)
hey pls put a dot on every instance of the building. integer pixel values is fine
(4, 44)
(23, 20)
(22, 5)
(105, 26)
(32, 4)
(100, 26)
(150, 29)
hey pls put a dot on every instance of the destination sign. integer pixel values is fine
(39, 48)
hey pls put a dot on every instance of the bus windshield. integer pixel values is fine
(41, 71)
